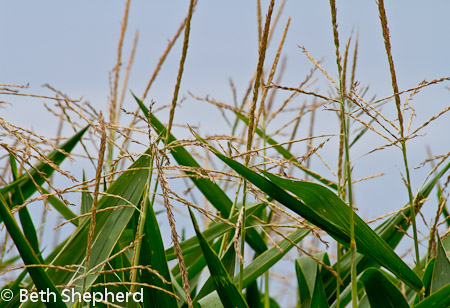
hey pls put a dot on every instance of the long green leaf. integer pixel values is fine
(380, 290)
(391, 231)
(228, 260)
(439, 299)
(43, 170)
(227, 290)
(212, 192)
(331, 207)
(265, 261)
(152, 254)
(286, 154)
(324, 209)
(86, 199)
(28, 227)
(40, 277)
(122, 197)
(214, 231)
(441, 272)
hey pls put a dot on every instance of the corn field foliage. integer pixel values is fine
(252, 203)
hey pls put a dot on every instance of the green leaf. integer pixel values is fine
(330, 207)
(86, 199)
(212, 192)
(309, 279)
(306, 271)
(28, 227)
(380, 290)
(265, 261)
(439, 299)
(327, 211)
(428, 275)
(152, 254)
(121, 200)
(228, 260)
(319, 299)
(391, 231)
(42, 170)
(286, 154)
(441, 272)
(227, 290)
(40, 277)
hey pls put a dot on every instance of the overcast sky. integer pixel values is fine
(72, 46)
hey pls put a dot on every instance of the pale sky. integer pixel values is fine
(72, 46)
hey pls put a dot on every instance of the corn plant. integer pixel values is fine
(253, 203)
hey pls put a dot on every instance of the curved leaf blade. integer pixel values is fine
(42, 169)
(121, 198)
(265, 261)
(331, 207)
(40, 278)
(439, 299)
(227, 290)
(212, 192)
(152, 254)
(286, 154)
(380, 290)
(338, 227)
(441, 272)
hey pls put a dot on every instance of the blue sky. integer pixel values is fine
(72, 46)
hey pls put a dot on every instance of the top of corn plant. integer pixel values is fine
(268, 209)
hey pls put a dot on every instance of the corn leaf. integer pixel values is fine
(428, 275)
(121, 199)
(441, 272)
(40, 277)
(439, 299)
(331, 207)
(327, 211)
(286, 154)
(212, 192)
(42, 170)
(86, 199)
(391, 231)
(265, 261)
(227, 290)
(152, 254)
(28, 227)
(380, 290)
(228, 260)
